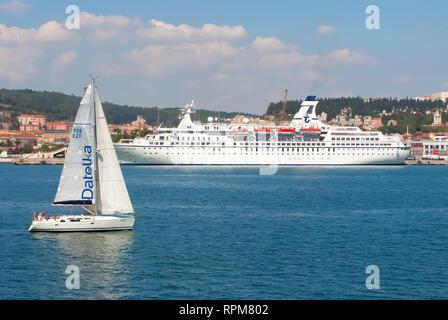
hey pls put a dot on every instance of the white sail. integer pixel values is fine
(77, 182)
(113, 194)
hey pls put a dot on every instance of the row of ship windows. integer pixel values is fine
(270, 144)
(355, 139)
(188, 138)
(362, 144)
(308, 154)
(217, 138)
(287, 149)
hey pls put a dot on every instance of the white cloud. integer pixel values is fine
(345, 56)
(90, 20)
(17, 64)
(62, 61)
(115, 29)
(163, 59)
(50, 31)
(103, 35)
(208, 59)
(111, 36)
(21, 47)
(162, 31)
(325, 30)
(14, 6)
(268, 44)
(124, 29)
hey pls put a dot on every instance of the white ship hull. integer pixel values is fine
(129, 154)
(83, 223)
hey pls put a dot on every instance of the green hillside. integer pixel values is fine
(407, 112)
(59, 106)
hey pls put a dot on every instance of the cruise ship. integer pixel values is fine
(306, 141)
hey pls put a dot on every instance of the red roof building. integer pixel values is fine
(29, 127)
(376, 123)
(35, 119)
(56, 126)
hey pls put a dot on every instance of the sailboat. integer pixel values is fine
(91, 178)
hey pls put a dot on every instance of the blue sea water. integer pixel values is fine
(230, 233)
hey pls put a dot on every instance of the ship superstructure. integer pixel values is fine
(306, 141)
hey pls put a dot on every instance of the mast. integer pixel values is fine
(112, 194)
(97, 186)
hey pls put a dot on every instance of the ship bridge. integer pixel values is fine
(185, 118)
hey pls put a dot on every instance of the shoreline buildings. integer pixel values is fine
(138, 124)
(34, 130)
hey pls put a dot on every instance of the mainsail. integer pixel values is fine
(92, 176)
(77, 182)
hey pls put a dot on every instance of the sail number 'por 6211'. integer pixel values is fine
(245, 309)
(77, 133)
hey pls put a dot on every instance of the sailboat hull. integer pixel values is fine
(83, 223)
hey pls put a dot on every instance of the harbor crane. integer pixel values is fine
(283, 114)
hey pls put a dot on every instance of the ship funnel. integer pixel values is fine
(306, 114)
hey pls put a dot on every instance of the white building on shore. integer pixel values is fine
(443, 95)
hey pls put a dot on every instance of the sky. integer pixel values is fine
(226, 55)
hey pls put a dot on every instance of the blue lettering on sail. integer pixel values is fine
(77, 133)
(87, 192)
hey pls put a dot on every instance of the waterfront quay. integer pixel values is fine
(427, 151)
(426, 162)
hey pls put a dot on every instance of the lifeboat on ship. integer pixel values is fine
(262, 130)
(310, 131)
(286, 130)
